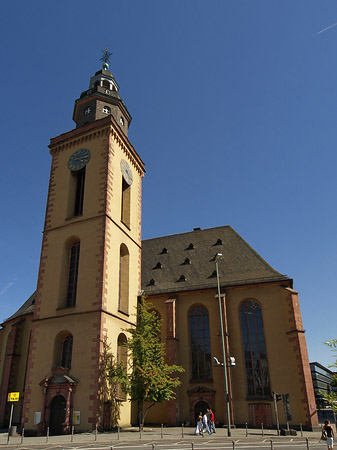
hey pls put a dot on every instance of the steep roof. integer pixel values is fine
(25, 309)
(186, 261)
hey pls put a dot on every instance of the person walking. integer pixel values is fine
(327, 428)
(199, 428)
(211, 421)
(205, 422)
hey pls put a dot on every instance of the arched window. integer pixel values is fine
(122, 357)
(67, 349)
(200, 343)
(106, 84)
(124, 261)
(74, 257)
(63, 348)
(126, 203)
(254, 349)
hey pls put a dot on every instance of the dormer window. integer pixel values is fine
(106, 109)
(87, 111)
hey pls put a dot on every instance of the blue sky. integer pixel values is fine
(234, 106)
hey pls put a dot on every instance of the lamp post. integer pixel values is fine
(225, 365)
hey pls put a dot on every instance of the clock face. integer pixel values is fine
(126, 171)
(79, 159)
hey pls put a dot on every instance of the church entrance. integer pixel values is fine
(57, 415)
(201, 406)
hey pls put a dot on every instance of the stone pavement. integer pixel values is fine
(148, 434)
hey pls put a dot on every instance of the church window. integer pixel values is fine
(79, 178)
(200, 343)
(106, 84)
(121, 120)
(87, 111)
(122, 357)
(74, 255)
(106, 109)
(126, 203)
(124, 261)
(67, 348)
(254, 349)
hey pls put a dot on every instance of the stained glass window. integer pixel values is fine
(200, 343)
(255, 349)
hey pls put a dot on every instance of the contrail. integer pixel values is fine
(7, 287)
(327, 28)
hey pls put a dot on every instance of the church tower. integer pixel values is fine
(89, 274)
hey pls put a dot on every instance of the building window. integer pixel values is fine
(67, 348)
(200, 343)
(79, 193)
(106, 109)
(121, 120)
(254, 349)
(124, 261)
(87, 111)
(122, 357)
(126, 202)
(74, 256)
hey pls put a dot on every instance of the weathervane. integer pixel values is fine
(105, 58)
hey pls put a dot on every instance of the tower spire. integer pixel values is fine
(105, 58)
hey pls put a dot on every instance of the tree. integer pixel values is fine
(331, 397)
(112, 373)
(151, 380)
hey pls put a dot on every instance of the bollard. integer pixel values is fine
(22, 435)
(233, 442)
(47, 437)
(301, 429)
(161, 430)
(182, 430)
(96, 433)
(118, 429)
(72, 433)
(307, 442)
(271, 444)
(262, 429)
(246, 429)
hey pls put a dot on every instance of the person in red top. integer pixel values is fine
(211, 422)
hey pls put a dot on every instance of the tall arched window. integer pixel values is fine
(74, 257)
(255, 349)
(63, 349)
(67, 349)
(122, 357)
(124, 261)
(200, 343)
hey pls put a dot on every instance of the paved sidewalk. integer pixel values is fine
(148, 434)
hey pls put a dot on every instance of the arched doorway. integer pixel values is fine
(201, 406)
(57, 415)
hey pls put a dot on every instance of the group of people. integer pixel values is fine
(205, 422)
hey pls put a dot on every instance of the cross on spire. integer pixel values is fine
(105, 58)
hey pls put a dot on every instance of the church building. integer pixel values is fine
(93, 267)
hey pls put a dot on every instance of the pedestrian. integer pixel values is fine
(327, 429)
(205, 423)
(199, 428)
(211, 421)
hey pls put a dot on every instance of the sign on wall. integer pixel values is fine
(76, 417)
(13, 396)
(37, 418)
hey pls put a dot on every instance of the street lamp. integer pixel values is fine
(225, 365)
